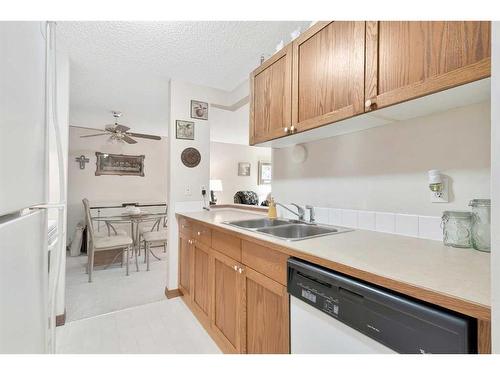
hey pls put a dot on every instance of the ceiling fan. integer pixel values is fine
(120, 132)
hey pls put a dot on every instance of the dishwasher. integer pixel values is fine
(336, 314)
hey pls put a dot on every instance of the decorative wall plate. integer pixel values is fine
(190, 157)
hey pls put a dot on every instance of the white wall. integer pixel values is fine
(385, 169)
(495, 188)
(181, 177)
(231, 126)
(113, 189)
(224, 158)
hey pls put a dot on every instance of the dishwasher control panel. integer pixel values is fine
(396, 321)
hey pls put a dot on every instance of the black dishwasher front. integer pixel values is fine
(398, 322)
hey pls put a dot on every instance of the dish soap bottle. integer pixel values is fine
(271, 213)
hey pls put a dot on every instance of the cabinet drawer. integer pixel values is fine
(202, 234)
(269, 262)
(227, 244)
(185, 226)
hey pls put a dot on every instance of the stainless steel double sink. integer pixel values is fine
(288, 230)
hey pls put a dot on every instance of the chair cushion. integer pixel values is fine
(157, 235)
(106, 242)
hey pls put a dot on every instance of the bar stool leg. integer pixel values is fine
(126, 265)
(147, 250)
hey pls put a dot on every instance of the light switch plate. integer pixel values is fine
(187, 192)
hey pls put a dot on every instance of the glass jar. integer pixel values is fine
(457, 228)
(481, 224)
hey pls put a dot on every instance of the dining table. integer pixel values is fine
(135, 218)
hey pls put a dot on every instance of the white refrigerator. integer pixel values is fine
(28, 275)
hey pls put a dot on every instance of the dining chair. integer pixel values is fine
(101, 243)
(157, 235)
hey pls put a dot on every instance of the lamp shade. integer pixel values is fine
(216, 185)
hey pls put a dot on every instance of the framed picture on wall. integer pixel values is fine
(244, 169)
(265, 173)
(184, 129)
(199, 110)
(121, 165)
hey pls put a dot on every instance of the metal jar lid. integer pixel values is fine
(457, 214)
(480, 203)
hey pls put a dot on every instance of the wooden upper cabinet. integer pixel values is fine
(270, 97)
(328, 74)
(409, 59)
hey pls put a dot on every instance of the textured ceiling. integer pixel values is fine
(126, 66)
(217, 54)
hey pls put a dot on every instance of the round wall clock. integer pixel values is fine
(190, 157)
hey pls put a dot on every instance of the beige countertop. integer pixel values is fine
(455, 278)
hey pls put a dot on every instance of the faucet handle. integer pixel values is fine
(311, 213)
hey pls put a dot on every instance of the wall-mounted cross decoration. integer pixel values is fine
(82, 160)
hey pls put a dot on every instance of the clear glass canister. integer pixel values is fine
(481, 224)
(457, 228)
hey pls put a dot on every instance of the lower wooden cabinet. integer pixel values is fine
(228, 291)
(242, 309)
(200, 281)
(267, 314)
(185, 255)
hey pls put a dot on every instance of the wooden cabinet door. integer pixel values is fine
(270, 97)
(406, 60)
(328, 74)
(185, 255)
(227, 303)
(200, 282)
(267, 314)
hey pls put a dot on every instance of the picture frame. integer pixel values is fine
(244, 169)
(184, 130)
(119, 164)
(265, 173)
(199, 110)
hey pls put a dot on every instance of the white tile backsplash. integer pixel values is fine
(407, 225)
(349, 218)
(430, 227)
(366, 220)
(335, 216)
(385, 222)
(322, 215)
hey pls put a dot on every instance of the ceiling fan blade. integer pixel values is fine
(148, 136)
(93, 135)
(129, 140)
(86, 127)
(121, 128)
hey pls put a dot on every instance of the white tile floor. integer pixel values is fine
(166, 327)
(120, 314)
(110, 289)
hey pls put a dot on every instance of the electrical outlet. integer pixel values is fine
(441, 196)
(187, 192)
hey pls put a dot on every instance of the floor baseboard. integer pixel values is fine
(172, 293)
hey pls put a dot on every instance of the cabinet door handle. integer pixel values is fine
(199, 233)
(286, 130)
(235, 268)
(240, 270)
(293, 129)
